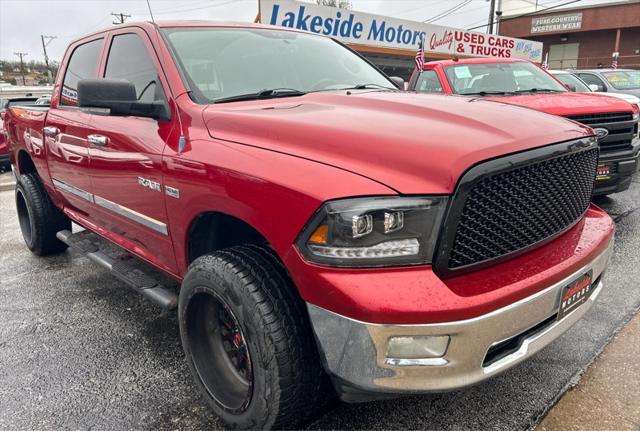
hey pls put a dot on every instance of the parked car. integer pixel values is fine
(321, 222)
(4, 145)
(625, 81)
(575, 83)
(522, 83)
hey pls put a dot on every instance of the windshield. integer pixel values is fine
(570, 79)
(223, 63)
(499, 78)
(624, 80)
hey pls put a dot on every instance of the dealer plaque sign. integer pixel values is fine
(548, 24)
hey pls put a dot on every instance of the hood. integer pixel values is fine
(413, 143)
(566, 104)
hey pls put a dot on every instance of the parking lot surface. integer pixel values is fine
(80, 350)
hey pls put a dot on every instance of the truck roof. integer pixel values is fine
(149, 26)
(478, 60)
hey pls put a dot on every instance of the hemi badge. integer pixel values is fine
(172, 191)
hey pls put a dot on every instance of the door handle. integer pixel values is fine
(51, 131)
(98, 140)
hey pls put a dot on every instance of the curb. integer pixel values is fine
(7, 186)
(7, 182)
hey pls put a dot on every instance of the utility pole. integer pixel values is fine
(120, 17)
(492, 13)
(21, 54)
(499, 16)
(46, 57)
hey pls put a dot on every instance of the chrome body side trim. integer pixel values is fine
(354, 352)
(73, 190)
(142, 219)
(149, 222)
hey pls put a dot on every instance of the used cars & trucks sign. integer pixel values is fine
(353, 27)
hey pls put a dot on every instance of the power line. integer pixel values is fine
(172, 11)
(510, 10)
(448, 11)
(120, 17)
(172, 8)
(498, 21)
(21, 54)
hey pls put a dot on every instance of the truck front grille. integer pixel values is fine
(620, 125)
(498, 214)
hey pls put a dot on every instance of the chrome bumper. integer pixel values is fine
(354, 353)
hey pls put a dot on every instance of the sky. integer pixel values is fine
(23, 21)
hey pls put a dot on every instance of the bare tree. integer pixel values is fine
(341, 4)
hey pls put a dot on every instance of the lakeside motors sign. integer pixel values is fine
(555, 23)
(360, 28)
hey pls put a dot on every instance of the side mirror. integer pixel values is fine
(119, 97)
(570, 87)
(594, 87)
(399, 82)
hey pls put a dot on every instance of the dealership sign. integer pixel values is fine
(548, 24)
(360, 28)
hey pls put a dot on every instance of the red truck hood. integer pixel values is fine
(413, 143)
(568, 103)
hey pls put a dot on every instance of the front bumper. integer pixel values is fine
(621, 166)
(354, 353)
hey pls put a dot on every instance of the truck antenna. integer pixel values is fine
(182, 140)
(150, 12)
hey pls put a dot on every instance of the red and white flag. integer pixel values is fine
(420, 54)
(614, 62)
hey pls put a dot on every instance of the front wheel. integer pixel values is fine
(248, 340)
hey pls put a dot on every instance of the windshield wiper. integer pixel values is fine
(539, 90)
(487, 93)
(264, 94)
(365, 86)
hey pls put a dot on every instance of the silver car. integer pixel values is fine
(574, 83)
(612, 80)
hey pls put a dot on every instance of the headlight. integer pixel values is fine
(380, 231)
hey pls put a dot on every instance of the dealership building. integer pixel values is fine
(583, 37)
(391, 43)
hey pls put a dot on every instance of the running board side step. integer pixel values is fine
(129, 271)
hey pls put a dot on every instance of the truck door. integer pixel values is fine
(66, 129)
(126, 153)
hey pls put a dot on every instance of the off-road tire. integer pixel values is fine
(288, 379)
(39, 219)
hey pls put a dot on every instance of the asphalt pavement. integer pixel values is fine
(79, 350)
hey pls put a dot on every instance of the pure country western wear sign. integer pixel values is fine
(360, 28)
(548, 24)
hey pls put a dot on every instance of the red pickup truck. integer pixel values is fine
(325, 227)
(522, 83)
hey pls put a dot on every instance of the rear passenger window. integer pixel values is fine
(428, 82)
(129, 59)
(82, 64)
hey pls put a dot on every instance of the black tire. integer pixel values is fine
(39, 219)
(285, 372)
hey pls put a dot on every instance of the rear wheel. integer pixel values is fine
(39, 219)
(248, 339)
